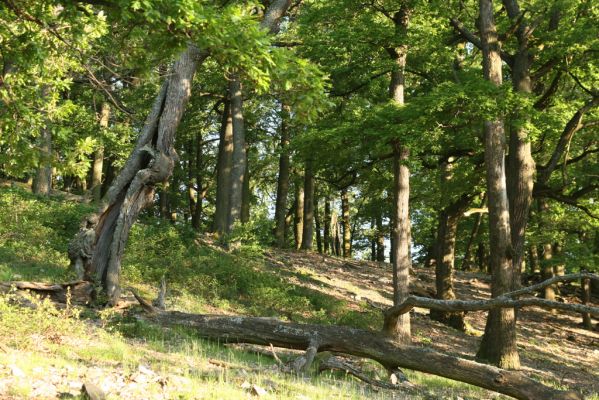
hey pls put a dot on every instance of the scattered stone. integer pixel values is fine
(16, 371)
(258, 391)
(44, 390)
(246, 385)
(92, 392)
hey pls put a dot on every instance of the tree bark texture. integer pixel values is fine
(282, 182)
(346, 224)
(308, 228)
(400, 235)
(400, 327)
(150, 163)
(246, 195)
(585, 284)
(298, 222)
(98, 164)
(239, 158)
(317, 224)
(521, 166)
(327, 225)
(360, 343)
(380, 240)
(445, 258)
(223, 173)
(498, 345)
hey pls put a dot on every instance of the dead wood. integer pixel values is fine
(360, 343)
(78, 292)
(507, 300)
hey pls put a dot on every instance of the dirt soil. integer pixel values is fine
(553, 347)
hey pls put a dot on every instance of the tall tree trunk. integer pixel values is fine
(445, 259)
(98, 164)
(327, 226)
(373, 239)
(380, 240)
(547, 270)
(282, 182)
(164, 201)
(308, 228)
(299, 215)
(317, 224)
(246, 194)
(223, 173)
(482, 259)
(498, 345)
(151, 163)
(400, 246)
(109, 176)
(239, 158)
(42, 181)
(521, 166)
(196, 216)
(346, 224)
(270, 22)
(585, 297)
(533, 252)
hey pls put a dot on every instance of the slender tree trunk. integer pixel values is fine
(196, 216)
(533, 252)
(109, 176)
(299, 214)
(468, 260)
(400, 246)
(547, 270)
(445, 259)
(151, 163)
(481, 258)
(308, 228)
(247, 194)
(373, 239)
(521, 166)
(239, 158)
(164, 202)
(223, 173)
(317, 224)
(327, 226)
(98, 164)
(380, 240)
(346, 224)
(42, 181)
(498, 345)
(283, 182)
(585, 284)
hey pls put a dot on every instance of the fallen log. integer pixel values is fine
(360, 343)
(77, 292)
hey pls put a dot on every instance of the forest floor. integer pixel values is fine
(49, 352)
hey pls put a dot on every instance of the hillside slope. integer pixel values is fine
(47, 352)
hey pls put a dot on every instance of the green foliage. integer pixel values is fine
(34, 234)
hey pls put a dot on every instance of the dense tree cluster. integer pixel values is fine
(456, 134)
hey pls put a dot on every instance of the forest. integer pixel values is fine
(299, 199)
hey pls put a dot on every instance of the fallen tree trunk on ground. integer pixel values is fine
(360, 343)
(79, 292)
(506, 300)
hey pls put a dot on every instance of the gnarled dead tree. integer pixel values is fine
(150, 164)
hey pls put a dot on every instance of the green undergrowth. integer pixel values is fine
(73, 343)
(200, 278)
(34, 234)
